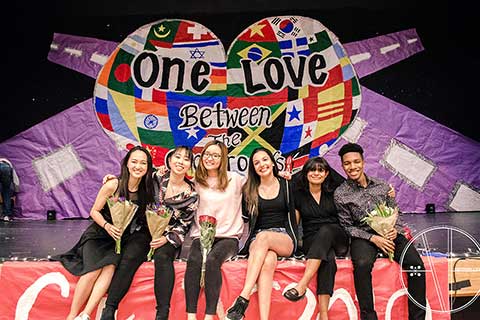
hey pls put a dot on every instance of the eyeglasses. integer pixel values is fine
(214, 156)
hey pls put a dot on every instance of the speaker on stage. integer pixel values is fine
(430, 208)
(51, 215)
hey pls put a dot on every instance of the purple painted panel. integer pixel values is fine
(456, 157)
(78, 127)
(371, 55)
(85, 55)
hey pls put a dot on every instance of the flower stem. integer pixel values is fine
(117, 246)
(150, 254)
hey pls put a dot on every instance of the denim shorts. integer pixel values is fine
(279, 230)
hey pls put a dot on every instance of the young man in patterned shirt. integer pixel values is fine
(354, 198)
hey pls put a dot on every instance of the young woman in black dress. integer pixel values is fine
(93, 258)
(323, 237)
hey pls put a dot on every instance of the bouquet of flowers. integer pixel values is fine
(382, 219)
(158, 217)
(122, 212)
(208, 225)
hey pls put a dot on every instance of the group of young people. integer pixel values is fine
(330, 211)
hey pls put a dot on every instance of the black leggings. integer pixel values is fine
(164, 277)
(134, 252)
(222, 249)
(328, 241)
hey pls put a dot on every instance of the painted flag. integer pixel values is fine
(120, 78)
(259, 32)
(189, 31)
(162, 34)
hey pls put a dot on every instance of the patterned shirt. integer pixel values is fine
(354, 202)
(184, 206)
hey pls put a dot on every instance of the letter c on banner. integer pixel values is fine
(344, 295)
(27, 299)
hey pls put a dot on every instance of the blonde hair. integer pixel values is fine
(201, 173)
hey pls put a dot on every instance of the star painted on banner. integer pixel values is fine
(197, 54)
(257, 29)
(197, 31)
(308, 132)
(294, 114)
(192, 132)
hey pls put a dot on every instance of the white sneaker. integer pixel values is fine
(7, 218)
(82, 316)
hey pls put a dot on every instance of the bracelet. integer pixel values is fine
(105, 224)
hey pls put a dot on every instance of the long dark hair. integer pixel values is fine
(145, 188)
(330, 183)
(250, 189)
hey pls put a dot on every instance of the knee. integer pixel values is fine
(212, 263)
(362, 265)
(194, 258)
(162, 258)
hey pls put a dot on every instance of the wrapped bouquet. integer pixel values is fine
(122, 212)
(208, 225)
(382, 219)
(158, 217)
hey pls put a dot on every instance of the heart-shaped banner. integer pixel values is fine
(287, 85)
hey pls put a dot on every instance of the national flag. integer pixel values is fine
(319, 41)
(155, 130)
(189, 31)
(120, 78)
(119, 121)
(294, 47)
(162, 34)
(256, 52)
(293, 130)
(158, 154)
(286, 28)
(191, 135)
(133, 44)
(269, 138)
(259, 32)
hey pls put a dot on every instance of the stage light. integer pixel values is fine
(430, 208)
(51, 215)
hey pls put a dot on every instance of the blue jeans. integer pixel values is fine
(6, 184)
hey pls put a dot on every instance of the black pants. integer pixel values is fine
(329, 241)
(222, 249)
(134, 252)
(164, 277)
(364, 254)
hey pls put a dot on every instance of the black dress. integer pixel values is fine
(95, 249)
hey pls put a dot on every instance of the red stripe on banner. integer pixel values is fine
(266, 100)
(44, 290)
(219, 72)
(321, 140)
(105, 121)
(159, 96)
(161, 44)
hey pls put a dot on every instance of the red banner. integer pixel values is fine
(44, 290)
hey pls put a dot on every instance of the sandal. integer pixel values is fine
(293, 295)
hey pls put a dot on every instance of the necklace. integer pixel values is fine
(175, 189)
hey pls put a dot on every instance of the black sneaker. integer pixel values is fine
(108, 313)
(237, 311)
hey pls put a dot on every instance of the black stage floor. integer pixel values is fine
(39, 239)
